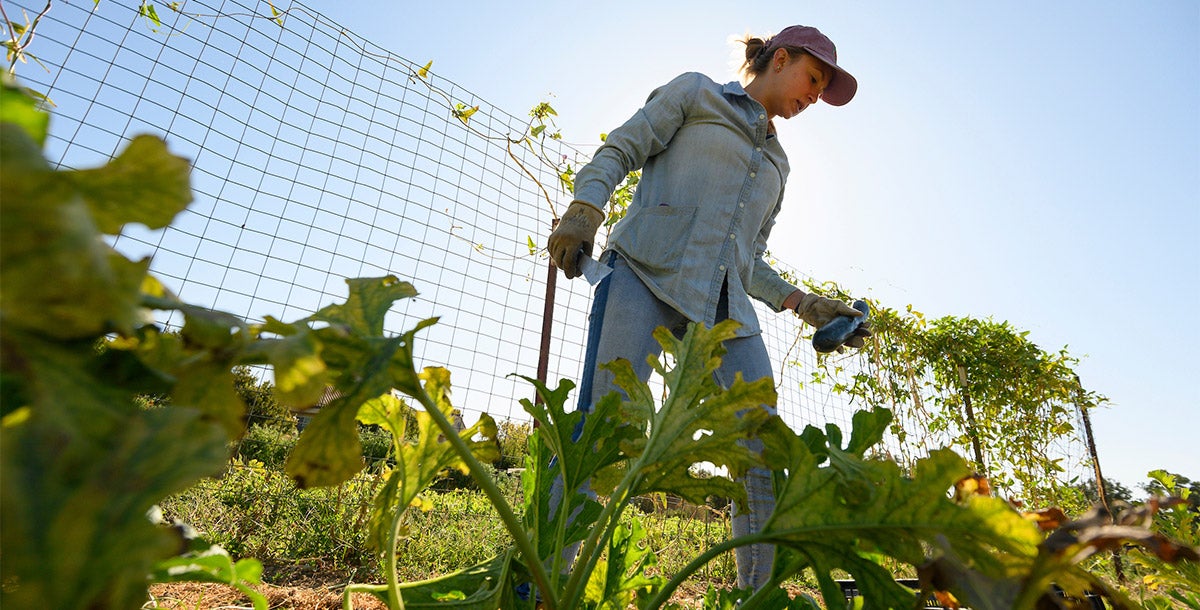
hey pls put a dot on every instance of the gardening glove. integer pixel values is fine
(858, 339)
(574, 235)
(817, 311)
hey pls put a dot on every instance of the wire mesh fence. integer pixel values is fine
(319, 156)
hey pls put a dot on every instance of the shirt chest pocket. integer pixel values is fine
(658, 236)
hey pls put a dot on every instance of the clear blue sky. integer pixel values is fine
(1027, 161)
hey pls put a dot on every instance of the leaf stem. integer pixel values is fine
(664, 594)
(395, 599)
(602, 530)
(511, 522)
(351, 589)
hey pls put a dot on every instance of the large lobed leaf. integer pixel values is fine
(81, 459)
(698, 421)
(566, 450)
(59, 277)
(626, 574)
(81, 465)
(829, 515)
(349, 354)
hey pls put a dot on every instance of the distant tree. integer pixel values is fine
(1116, 491)
(262, 409)
(514, 444)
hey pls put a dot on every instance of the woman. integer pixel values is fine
(691, 244)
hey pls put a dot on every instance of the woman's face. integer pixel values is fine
(796, 83)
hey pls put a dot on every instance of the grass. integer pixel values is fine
(253, 510)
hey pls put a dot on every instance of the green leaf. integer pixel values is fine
(463, 113)
(59, 277)
(301, 375)
(421, 460)
(479, 587)
(329, 451)
(571, 448)
(698, 422)
(20, 109)
(147, 10)
(626, 571)
(364, 311)
(214, 565)
(145, 184)
(194, 376)
(815, 517)
(75, 534)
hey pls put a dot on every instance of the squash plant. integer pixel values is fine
(84, 458)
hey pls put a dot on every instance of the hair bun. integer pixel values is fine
(754, 48)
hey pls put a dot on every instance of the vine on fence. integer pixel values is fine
(978, 385)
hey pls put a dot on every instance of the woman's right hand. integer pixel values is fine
(575, 233)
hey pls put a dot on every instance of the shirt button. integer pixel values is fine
(758, 149)
(753, 174)
(732, 236)
(721, 267)
(741, 204)
(762, 116)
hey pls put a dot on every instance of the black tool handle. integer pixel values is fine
(831, 336)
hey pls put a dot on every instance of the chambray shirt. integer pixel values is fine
(712, 183)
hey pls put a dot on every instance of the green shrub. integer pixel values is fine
(262, 408)
(377, 447)
(254, 510)
(267, 445)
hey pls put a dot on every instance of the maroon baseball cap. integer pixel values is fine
(842, 86)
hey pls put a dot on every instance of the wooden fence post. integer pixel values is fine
(547, 324)
(1101, 488)
(972, 431)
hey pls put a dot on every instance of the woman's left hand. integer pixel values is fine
(817, 311)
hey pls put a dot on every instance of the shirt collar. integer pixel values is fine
(735, 88)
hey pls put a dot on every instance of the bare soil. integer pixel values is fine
(311, 588)
(307, 588)
(310, 596)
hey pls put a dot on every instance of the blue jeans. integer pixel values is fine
(624, 315)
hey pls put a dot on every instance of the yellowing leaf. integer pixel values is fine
(275, 14)
(424, 71)
(58, 276)
(151, 184)
(368, 304)
(301, 375)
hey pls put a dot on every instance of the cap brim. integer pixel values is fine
(842, 86)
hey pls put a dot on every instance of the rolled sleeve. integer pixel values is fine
(767, 286)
